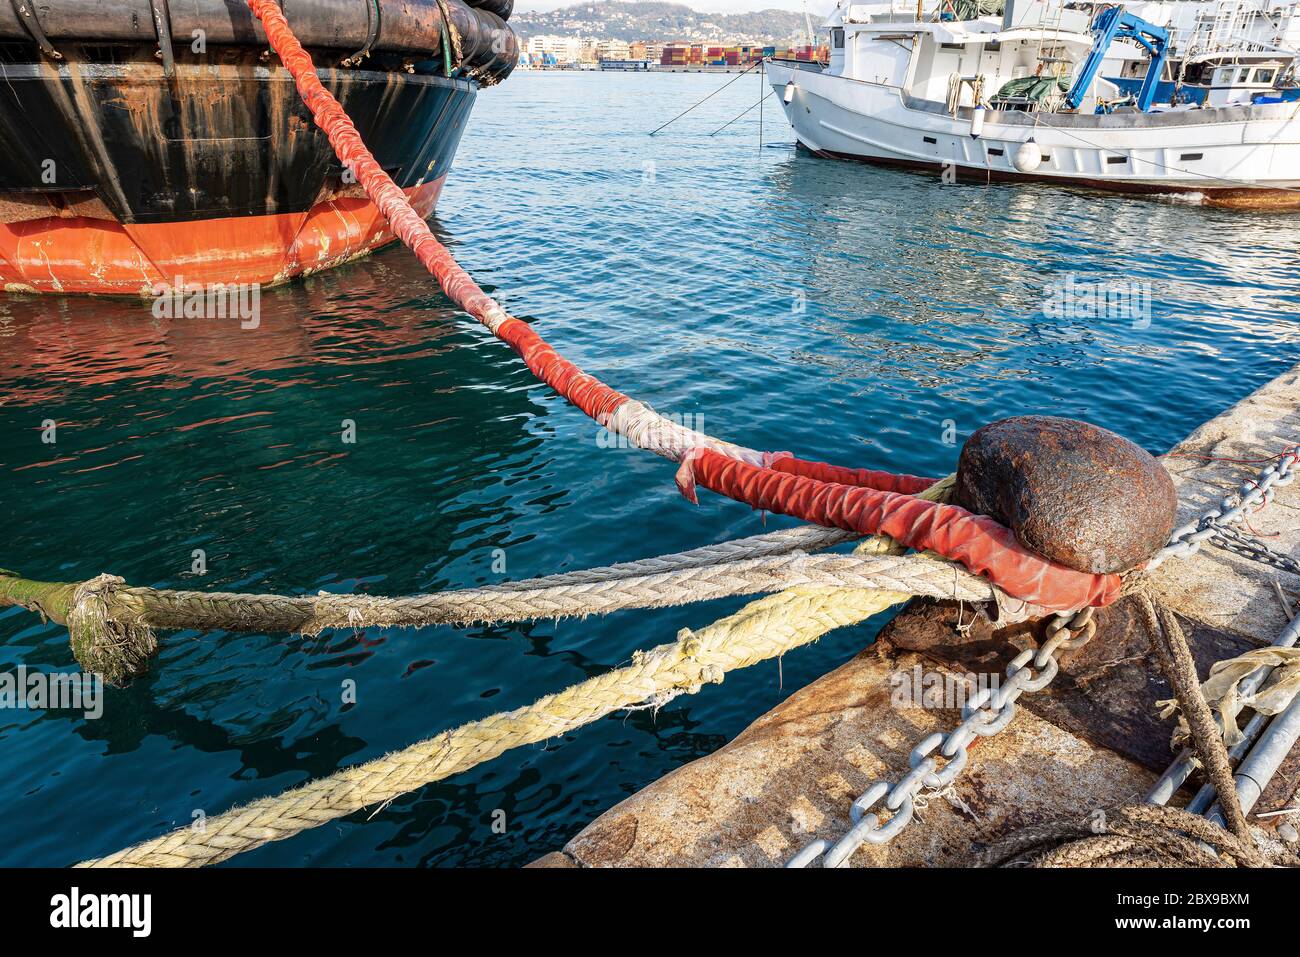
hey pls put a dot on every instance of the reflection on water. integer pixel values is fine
(786, 302)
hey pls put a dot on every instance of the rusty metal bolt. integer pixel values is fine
(1072, 492)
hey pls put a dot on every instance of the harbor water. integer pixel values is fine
(362, 436)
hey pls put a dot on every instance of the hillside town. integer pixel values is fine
(647, 35)
(551, 52)
(632, 20)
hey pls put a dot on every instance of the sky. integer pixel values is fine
(704, 6)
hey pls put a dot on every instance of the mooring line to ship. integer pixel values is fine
(980, 543)
(611, 409)
(113, 626)
(709, 97)
(745, 113)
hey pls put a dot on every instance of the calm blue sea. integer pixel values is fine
(781, 301)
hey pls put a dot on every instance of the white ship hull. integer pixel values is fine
(1232, 156)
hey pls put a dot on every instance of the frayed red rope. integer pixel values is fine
(864, 478)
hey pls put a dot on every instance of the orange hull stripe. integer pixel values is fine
(82, 255)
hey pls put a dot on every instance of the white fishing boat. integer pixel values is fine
(1025, 96)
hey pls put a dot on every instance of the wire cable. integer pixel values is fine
(710, 96)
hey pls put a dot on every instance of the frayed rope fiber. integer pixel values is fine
(1141, 835)
(107, 638)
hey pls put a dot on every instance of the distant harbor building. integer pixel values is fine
(556, 50)
(588, 53)
(627, 66)
(613, 50)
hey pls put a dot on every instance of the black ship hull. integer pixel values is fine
(128, 169)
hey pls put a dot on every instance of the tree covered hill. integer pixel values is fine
(621, 20)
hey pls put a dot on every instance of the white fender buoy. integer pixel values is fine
(977, 121)
(788, 93)
(1028, 157)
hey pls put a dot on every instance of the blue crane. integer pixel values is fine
(1117, 24)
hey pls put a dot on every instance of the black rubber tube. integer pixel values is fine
(409, 26)
(502, 8)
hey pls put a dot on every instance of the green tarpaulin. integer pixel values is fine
(1032, 88)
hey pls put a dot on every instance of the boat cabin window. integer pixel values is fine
(1228, 76)
(1263, 76)
(837, 38)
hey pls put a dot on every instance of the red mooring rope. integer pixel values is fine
(866, 478)
(859, 500)
(977, 541)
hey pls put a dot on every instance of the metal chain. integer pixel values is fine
(984, 715)
(1250, 547)
(1187, 540)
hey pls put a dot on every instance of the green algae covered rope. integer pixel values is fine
(107, 629)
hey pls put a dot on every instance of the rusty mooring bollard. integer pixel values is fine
(1075, 493)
